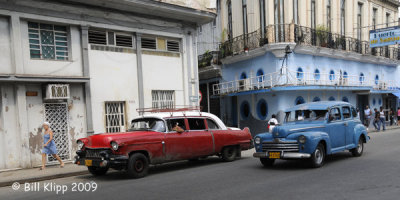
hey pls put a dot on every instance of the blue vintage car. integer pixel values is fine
(312, 131)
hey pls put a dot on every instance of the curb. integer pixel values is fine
(387, 129)
(43, 178)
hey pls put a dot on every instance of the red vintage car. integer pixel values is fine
(159, 138)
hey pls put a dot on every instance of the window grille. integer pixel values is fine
(97, 37)
(123, 40)
(48, 41)
(173, 46)
(115, 117)
(57, 91)
(162, 99)
(149, 43)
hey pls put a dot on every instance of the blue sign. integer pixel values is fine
(384, 37)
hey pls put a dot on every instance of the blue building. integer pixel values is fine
(271, 74)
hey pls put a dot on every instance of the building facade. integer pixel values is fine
(279, 53)
(86, 67)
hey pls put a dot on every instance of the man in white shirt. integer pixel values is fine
(382, 118)
(272, 123)
(367, 116)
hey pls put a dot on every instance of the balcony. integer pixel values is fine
(305, 36)
(274, 81)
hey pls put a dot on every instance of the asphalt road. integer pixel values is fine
(375, 175)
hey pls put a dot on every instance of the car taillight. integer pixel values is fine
(268, 127)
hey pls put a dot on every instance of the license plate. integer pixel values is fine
(274, 155)
(88, 163)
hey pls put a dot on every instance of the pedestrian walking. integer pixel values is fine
(272, 123)
(398, 116)
(49, 146)
(382, 118)
(367, 117)
(377, 119)
(391, 117)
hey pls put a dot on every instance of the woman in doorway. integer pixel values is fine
(49, 146)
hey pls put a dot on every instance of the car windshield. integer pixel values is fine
(305, 115)
(147, 124)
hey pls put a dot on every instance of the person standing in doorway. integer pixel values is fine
(391, 117)
(367, 116)
(382, 118)
(377, 120)
(49, 146)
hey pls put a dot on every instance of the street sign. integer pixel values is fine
(384, 37)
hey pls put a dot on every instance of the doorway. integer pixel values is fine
(57, 115)
(362, 102)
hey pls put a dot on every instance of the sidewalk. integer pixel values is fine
(21, 176)
(372, 129)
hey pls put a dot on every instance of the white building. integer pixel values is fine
(87, 67)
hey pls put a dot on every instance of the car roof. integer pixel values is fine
(184, 114)
(320, 105)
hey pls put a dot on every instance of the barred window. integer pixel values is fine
(115, 116)
(163, 99)
(173, 46)
(48, 41)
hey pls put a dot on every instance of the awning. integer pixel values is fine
(397, 94)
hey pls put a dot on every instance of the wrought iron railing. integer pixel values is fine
(305, 36)
(293, 78)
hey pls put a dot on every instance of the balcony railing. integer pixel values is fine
(304, 36)
(292, 78)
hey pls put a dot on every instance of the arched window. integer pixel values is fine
(376, 79)
(331, 98)
(345, 74)
(316, 99)
(373, 101)
(362, 78)
(259, 75)
(345, 99)
(299, 100)
(300, 73)
(332, 75)
(262, 109)
(380, 102)
(317, 74)
(243, 76)
(245, 110)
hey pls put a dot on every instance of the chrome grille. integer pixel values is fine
(280, 146)
(93, 153)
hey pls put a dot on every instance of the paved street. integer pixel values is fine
(375, 175)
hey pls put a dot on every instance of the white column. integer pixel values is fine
(16, 45)
(22, 126)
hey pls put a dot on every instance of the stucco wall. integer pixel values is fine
(113, 78)
(5, 47)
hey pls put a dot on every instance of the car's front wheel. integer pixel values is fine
(138, 165)
(266, 162)
(318, 157)
(98, 171)
(358, 151)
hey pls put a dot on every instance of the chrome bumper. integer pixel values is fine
(284, 155)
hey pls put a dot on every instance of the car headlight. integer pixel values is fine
(302, 139)
(80, 144)
(257, 140)
(114, 146)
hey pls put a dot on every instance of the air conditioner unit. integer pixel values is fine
(57, 91)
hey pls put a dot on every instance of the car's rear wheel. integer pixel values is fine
(318, 157)
(358, 151)
(138, 165)
(266, 162)
(229, 153)
(98, 171)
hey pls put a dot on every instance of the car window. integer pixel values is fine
(346, 112)
(354, 112)
(173, 122)
(196, 124)
(334, 114)
(212, 125)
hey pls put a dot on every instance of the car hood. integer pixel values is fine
(284, 130)
(103, 140)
